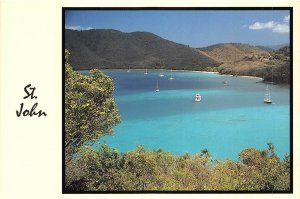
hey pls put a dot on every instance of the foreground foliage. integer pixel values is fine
(108, 170)
(90, 109)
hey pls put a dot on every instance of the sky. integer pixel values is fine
(196, 28)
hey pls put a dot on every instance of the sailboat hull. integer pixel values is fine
(197, 98)
(268, 101)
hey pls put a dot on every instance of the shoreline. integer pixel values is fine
(194, 71)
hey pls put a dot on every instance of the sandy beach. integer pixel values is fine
(194, 71)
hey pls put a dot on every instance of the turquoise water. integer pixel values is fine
(227, 120)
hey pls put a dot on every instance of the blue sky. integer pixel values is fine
(194, 28)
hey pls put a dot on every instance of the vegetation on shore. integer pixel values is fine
(112, 49)
(157, 170)
(91, 112)
(248, 61)
(90, 109)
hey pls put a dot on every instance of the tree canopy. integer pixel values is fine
(106, 169)
(90, 109)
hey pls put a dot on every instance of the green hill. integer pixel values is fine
(107, 48)
(244, 59)
(114, 49)
(280, 63)
(236, 57)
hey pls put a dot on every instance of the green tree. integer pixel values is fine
(224, 176)
(90, 109)
(141, 169)
(268, 171)
(96, 170)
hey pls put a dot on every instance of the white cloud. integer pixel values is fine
(260, 25)
(77, 27)
(276, 27)
(286, 19)
(281, 28)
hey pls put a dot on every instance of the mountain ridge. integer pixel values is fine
(114, 49)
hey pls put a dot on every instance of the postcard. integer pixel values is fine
(103, 98)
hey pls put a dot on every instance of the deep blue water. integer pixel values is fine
(227, 120)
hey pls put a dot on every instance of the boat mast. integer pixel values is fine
(271, 86)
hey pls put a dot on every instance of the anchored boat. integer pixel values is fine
(197, 97)
(268, 96)
(157, 89)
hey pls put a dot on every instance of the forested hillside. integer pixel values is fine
(114, 49)
(107, 48)
(244, 59)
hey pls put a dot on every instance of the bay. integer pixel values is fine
(227, 120)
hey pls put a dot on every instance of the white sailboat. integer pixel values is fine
(268, 96)
(171, 78)
(146, 72)
(128, 69)
(268, 93)
(157, 89)
(161, 73)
